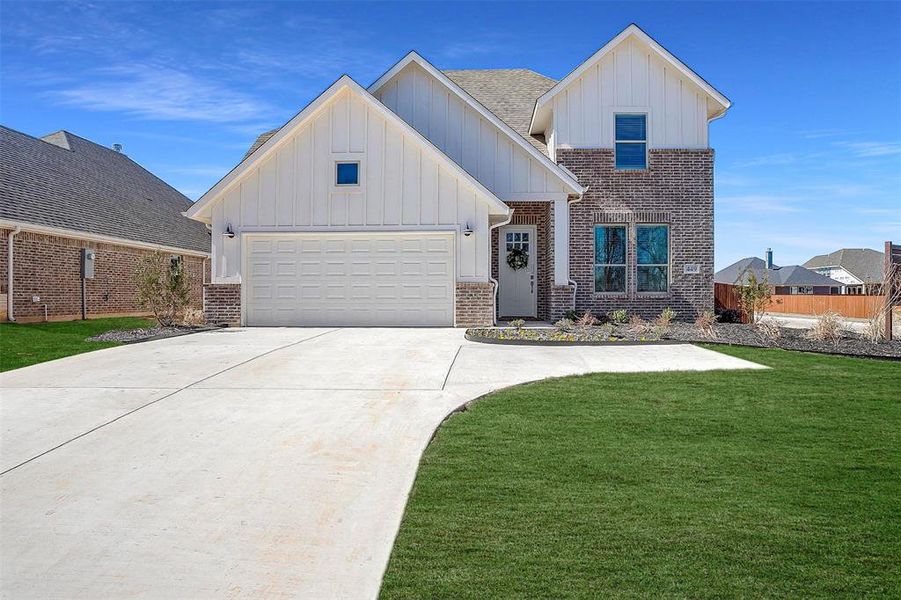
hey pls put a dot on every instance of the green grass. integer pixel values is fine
(27, 344)
(778, 483)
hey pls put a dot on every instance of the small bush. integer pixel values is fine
(619, 316)
(517, 324)
(828, 328)
(666, 317)
(163, 286)
(587, 320)
(638, 325)
(563, 325)
(768, 330)
(705, 323)
(193, 317)
(730, 315)
(875, 329)
(572, 315)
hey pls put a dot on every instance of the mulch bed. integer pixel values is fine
(146, 334)
(850, 344)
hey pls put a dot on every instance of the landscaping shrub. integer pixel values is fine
(563, 325)
(587, 320)
(163, 287)
(517, 324)
(753, 294)
(619, 316)
(768, 330)
(827, 328)
(730, 315)
(705, 323)
(572, 315)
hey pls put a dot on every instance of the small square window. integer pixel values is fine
(347, 173)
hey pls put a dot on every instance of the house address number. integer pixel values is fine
(691, 269)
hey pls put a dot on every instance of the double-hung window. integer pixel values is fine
(610, 258)
(652, 256)
(631, 141)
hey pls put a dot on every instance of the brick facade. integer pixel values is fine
(474, 304)
(49, 267)
(677, 190)
(222, 303)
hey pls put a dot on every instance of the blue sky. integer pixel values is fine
(808, 158)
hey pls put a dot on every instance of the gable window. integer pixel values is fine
(347, 173)
(652, 256)
(610, 258)
(631, 141)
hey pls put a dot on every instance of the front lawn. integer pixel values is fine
(778, 483)
(23, 344)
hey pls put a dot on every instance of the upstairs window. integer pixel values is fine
(347, 173)
(652, 254)
(631, 141)
(610, 259)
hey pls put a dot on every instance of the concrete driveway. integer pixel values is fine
(257, 463)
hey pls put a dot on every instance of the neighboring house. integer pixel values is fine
(860, 270)
(792, 279)
(62, 195)
(460, 197)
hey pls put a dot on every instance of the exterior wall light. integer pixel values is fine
(228, 231)
(468, 230)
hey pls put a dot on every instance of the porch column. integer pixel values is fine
(561, 242)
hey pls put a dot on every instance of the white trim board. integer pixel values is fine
(96, 237)
(200, 210)
(563, 175)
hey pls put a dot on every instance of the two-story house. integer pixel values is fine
(462, 197)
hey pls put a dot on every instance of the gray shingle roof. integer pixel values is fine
(789, 275)
(509, 93)
(865, 264)
(66, 181)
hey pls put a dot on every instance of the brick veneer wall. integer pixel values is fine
(676, 189)
(538, 214)
(474, 304)
(49, 266)
(222, 303)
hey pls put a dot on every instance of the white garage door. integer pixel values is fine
(361, 279)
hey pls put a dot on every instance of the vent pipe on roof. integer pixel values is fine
(769, 258)
(117, 148)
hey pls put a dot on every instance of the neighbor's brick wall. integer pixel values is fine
(676, 189)
(474, 304)
(222, 303)
(50, 267)
(538, 214)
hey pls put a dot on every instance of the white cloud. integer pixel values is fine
(761, 203)
(162, 93)
(873, 149)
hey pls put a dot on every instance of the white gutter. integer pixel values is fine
(94, 237)
(490, 244)
(573, 281)
(9, 274)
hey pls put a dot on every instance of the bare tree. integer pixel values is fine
(163, 286)
(753, 294)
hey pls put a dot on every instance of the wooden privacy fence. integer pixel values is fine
(855, 307)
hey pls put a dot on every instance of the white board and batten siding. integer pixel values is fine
(468, 138)
(402, 188)
(631, 77)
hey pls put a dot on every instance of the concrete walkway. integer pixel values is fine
(243, 463)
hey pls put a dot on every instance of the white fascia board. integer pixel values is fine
(197, 211)
(539, 114)
(96, 237)
(564, 176)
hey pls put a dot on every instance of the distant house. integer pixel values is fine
(62, 198)
(860, 270)
(791, 279)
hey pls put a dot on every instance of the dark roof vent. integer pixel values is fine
(117, 148)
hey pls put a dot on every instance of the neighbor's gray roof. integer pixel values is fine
(865, 264)
(68, 182)
(790, 275)
(508, 93)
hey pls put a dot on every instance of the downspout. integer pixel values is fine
(9, 274)
(573, 281)
(490, 250)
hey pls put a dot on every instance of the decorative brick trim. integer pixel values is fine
(222, 304)
(49, 266)
(474, 304)
(676, 189)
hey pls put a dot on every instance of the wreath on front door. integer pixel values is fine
(517, 259)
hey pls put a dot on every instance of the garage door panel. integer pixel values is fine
(350, 279)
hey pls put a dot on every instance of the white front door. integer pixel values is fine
(517, 294)
(350, 279)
